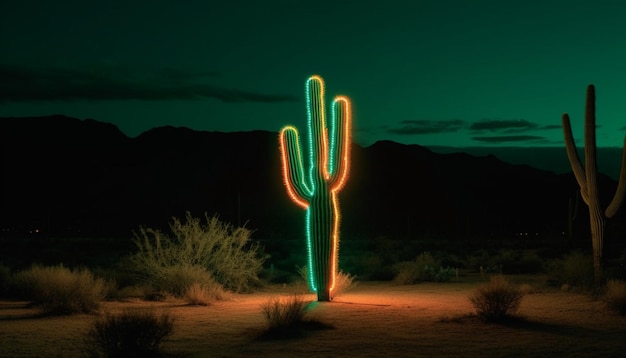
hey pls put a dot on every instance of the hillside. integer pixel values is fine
(69, 177)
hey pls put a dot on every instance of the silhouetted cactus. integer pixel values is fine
(586, 176)
(316, 188)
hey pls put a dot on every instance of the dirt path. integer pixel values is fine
(375, 319)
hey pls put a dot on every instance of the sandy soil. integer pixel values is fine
(374, 319)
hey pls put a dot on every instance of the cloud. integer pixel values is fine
(506, 125)
(27, 84)
(413, 127)
(552, 126)
(511, 138)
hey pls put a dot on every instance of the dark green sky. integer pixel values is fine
(439, 72)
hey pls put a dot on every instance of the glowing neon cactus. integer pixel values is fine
(316, 190)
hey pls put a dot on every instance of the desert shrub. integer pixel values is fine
(370, 266)
(227, 253)
(301, 284)
(133, 333)
(406, 273)
(518, 261)
(615, 295)
(6, 280)
(508, 261)
(177, 279)
(343, 283)
(204, 294)
(438, 274)
(132, 291)
(57, 289)
(574, 269)
(283, 314)
(496, 300)
(479, 258)
(424, 268)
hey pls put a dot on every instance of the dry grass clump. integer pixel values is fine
(496, 300)
(59, 290)
(203, 294)
(286, 318)
(343, 283)
(615, 295)
(284, 314)
(134, 333)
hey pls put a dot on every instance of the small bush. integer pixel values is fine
(303, 283)
(615, 295)
(176, 280)
(203, 294)
(496, 300)
(136, 333)
(574, 269)
(5, 280)
(438, 274)
(343, 283)
(225, 252)
(406, 273)
(424, 268)
(283, 315)
(58, 289)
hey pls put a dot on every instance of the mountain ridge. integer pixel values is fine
(66, 176)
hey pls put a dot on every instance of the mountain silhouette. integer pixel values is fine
(69, 177)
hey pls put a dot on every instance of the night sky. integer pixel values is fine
(440, 72)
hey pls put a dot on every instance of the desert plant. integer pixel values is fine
(424, 268)
(284, 314)
(615, 295)
(195, 249)
(497, 299)
(406, 273)
(343, 283)
(586, 176)
(204, 294)
(6, 280)
(316, 189)
(133, 333)
(438, 274)
(574, 269)
(57, 289)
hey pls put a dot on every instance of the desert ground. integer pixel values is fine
(373, 319)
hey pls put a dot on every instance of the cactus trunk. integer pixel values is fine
(321, 222)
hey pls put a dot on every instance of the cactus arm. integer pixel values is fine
(293, 171)
(318, 135)
(620, 192)
(574, 159)
(340, 143)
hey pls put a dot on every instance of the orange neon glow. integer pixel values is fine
(335, 244)
(291, 191)
(342, 174)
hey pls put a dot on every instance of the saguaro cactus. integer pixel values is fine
(316, 189)
(586, 176)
